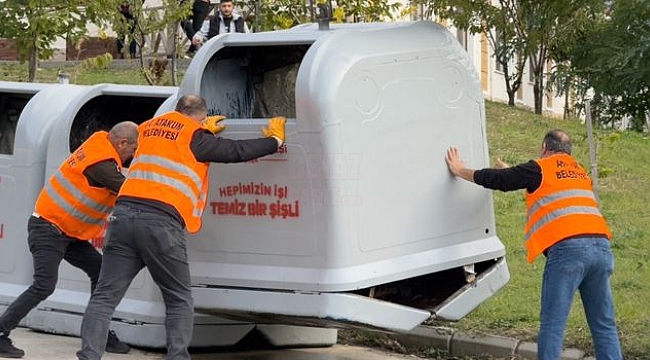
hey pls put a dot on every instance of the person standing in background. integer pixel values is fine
(200, 10)
(125, 10)
(226, 21)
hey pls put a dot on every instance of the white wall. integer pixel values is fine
(496, 90)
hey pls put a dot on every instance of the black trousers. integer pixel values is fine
(200, 10)
(49, 246)
(132, 45)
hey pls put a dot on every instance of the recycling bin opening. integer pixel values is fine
(429, 291)
(11, 106)
(104, 111)
(245, 82)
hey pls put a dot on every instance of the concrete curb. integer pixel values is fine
(460, 344)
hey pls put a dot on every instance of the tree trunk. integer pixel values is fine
(538, 95)
(566, 113)
(511, 88)
(173, 55)
(511, 98)
(538, 59)
(32, 62)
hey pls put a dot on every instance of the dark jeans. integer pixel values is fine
(49, 246)
(136, 238)
(200, 10)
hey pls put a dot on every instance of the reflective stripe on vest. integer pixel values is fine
(68, 201)
(175, 183)
(164, 168)
(79, 196)
(563, 205)
(571, 210)
(558, 196)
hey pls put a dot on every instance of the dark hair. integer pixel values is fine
(225, 1)
(191, 105)
(558, 141)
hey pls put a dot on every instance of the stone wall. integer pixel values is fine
(91, 47)
(8, 49)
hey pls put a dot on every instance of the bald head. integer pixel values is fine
(557, 141)
(124, 137)
(193, 106)
(124, 130)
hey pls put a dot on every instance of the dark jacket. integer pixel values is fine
(215, 25)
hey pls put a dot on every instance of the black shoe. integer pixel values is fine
(8, 350)
(114, 345)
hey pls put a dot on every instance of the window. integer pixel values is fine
(497, 42)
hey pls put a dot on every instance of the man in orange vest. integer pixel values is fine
(565, 224)
(71, 210)
(165, 191)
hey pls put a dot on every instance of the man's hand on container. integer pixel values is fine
(211, 123)
(454, 162)
(275, 129)
(456, 165)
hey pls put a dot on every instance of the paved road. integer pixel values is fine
(41, 346)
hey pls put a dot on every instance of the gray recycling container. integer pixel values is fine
(356, 221)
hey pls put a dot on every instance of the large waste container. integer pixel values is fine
(22, 155)
(356, 221)
(51, 122)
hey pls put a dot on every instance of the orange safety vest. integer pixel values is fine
(564, 205)
(68, 201)
(165, 169)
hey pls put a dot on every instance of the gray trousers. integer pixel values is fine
(135, 239)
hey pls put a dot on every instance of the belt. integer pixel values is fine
(572, 237)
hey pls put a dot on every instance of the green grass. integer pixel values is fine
(515, 135)
(78, 75)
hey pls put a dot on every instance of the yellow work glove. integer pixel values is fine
(275, 128)
(211, 123)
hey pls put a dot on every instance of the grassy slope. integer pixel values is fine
(18, 72)
(515, 136)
